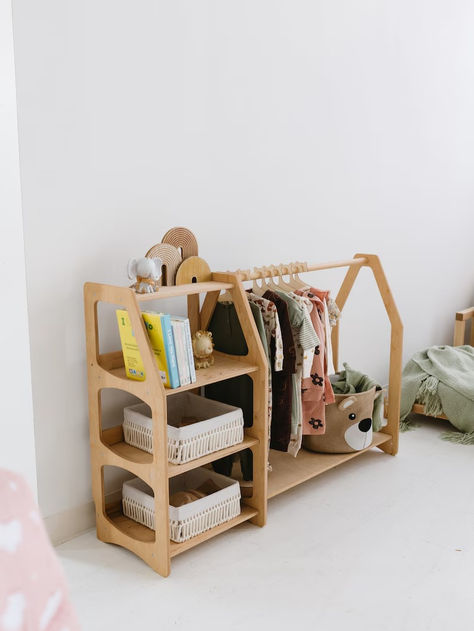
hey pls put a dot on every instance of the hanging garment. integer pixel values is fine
(316, 390)
(330, 320)
(282, 383)
(272, 327)
(229, 338)
(305, 338)
(271, 324)
(307, 305)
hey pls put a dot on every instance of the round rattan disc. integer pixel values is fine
(183, 239)
(171, 260)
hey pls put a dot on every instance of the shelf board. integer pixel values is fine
(288, 472)
(133, 454)
(177, 548)
(420, 409)
(184, 290)
(142, 533)
(113, 439)
(225, 367)
(177, 469)
(128, 526)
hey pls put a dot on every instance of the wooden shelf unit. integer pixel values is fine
(109, 448)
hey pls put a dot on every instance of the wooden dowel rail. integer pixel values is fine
(297, 267)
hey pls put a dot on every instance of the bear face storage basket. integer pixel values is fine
(218, 426)
(190, 519)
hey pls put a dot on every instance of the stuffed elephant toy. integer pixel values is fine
(146, 272)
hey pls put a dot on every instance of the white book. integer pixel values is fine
(181, 351)
(188, 346)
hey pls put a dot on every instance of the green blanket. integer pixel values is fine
(442, 379)
(350, 381)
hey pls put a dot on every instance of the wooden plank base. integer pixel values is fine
(288, 472)
(141, 533)
(246, 514)
(420, 409)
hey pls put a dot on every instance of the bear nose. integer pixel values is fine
(365, 424)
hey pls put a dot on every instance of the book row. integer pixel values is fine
(170, 339)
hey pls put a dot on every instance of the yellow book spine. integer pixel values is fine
(134, 368)
(157, 340)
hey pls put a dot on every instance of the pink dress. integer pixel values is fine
(316, 390)
(33, 592)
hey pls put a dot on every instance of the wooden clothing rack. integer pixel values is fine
(106, 370)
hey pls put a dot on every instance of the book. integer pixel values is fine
(160, 333)
(188, 346)
(181, 352)
(161, 337)
(134, 368)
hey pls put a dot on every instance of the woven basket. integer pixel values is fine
(191, 519)
(223, 427)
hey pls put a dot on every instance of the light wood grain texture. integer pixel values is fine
(114, 440)
(462, 318)
(288, 472)
(193, 270)
(106, 370)
(418, 408)
(151, 391)
(108, 448)
(246, 514)
(184, 240)
(396, 350)
(225, 367)
(208, 307)
(283, 269)
(171, 260)
(341, 298)
(183, 290)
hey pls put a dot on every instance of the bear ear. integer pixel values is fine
(209, 333)
(198, 334)
(346, 403)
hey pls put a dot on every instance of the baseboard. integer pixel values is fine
(71, 523)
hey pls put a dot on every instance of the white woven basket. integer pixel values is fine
(223, 427)
(191, 519)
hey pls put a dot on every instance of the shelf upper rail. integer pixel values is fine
(298, 267)
(111, 293)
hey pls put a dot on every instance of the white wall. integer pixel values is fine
(275, 129)
(17, 447)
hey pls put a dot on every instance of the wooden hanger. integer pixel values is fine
(295, 280)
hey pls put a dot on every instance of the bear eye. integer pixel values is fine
(352, 416)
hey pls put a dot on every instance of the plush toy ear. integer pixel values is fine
(346, 403)
(210, 334)
(158, 263)
(198, 334)
(132, 268)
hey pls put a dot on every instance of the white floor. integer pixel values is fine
(380, 543)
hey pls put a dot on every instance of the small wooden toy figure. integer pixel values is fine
(202, 349)
(146, 272)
